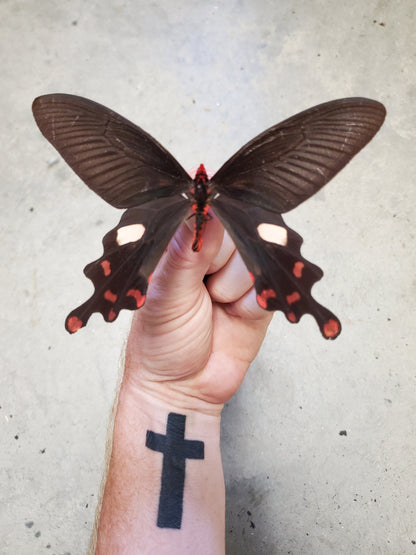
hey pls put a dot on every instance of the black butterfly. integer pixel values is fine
(270, 175)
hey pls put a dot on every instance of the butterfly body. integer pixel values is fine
(200, 206)
(270, 175)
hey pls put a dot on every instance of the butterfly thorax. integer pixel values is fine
(200, 206)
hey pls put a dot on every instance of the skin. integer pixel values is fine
(188, 351)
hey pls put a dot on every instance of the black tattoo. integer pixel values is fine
(176, 449)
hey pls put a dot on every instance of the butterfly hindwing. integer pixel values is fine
(131, 252)
(115, 158)
(271, 251)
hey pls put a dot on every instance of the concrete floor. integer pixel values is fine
(205, 77)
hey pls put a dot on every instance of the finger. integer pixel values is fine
(178, 277)
(247, 307)
(226, 251)
(231, 282)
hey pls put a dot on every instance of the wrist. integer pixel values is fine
(154, 400)
(158, 396)
(158, 433)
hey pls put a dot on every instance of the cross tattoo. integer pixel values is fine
(176, 449)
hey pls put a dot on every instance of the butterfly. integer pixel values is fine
(270, 175)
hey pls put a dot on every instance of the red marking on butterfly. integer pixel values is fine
(74, 324)
(109, 296)
(298, 269)
(331, 329)
(111, 315)
(106, 266)
(292, 317)
(139, 298)
(149, 278)
(264, 296)
(251, 277)
(201, 174)
(292, 298)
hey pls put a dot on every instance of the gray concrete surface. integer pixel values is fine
(205, 77)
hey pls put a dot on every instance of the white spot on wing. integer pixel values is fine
(129, 234)
(273, 233)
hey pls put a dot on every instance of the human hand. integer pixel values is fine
(192, 343)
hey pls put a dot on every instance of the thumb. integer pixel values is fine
(178, 278)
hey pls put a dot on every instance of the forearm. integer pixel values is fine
(145, 508)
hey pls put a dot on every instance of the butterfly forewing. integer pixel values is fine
(291, 161)
(115, 158)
